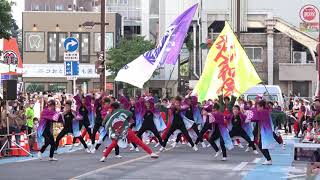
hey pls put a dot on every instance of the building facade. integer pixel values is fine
(59, 5)
(43, 50)
(282, 52)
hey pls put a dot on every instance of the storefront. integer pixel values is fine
(50, 77)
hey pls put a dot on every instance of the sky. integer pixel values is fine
(17, 11)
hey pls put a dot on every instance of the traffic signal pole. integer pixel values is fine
(102, 41)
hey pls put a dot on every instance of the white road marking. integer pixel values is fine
(240, 166)
(256, 160)
(112, 166)
(31, 159)
(290, 176)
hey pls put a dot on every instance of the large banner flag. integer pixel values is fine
(141, 69)
(228, 70)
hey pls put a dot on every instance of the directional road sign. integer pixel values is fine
(71, 68)
(71, 44)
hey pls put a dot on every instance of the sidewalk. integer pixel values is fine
(61, 150)
(282, 164)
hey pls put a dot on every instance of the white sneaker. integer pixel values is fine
(102, 159)
(104, 150)
(88, 150)
(203, 145)
(93, 150)
(153, 155)
(255, 152)
(209, 145)
(248, 149)
(157, 145)
(53, 159)
(235, 143)
(118, 156)
(189, 145)
(132, 148)
(76, 144)
(283, 146)
(162, 149)
(174, 144)
(217, 154)
(224, 159)
(137, 149)
(195, 148)
(240, 146)
(267, 163)
(39, 155)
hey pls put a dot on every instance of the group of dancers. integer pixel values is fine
(124, 122)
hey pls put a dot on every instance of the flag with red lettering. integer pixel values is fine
(228, 70)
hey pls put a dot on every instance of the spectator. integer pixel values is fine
(29, 116)
(3, 132)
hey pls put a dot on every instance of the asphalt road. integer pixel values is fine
(175, 164)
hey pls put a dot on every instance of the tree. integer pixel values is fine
(127, 51)
(7, 23)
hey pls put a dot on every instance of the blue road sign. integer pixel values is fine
(71, 44)
(75, 68)
(71, 68)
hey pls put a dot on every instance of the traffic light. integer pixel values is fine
(99, 65)
(209, 43)
(206, 45)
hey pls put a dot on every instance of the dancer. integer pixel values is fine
(192, 113)
(179, 121)
(263, 135)
(101, 112)
(48, 115)
(219, 132)
(132, 108)
(207, 109)
(117, 123)
(151, 120)
(84, 109)
(70, 121)
(274, 115)
(240, 128)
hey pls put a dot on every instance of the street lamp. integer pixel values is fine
(91, 24)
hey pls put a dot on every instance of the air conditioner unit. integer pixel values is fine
(299, 57)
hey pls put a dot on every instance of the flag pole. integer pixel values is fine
(169, 79)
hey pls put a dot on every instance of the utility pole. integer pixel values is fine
(238, 19)
(102, 41)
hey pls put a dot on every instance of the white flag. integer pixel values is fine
(141, 69)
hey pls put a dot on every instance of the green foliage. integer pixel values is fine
(184, 69)
(189, 42)
(7, 24)
(129, 49)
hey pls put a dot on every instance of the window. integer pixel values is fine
(254, 53)
(84, 49)
(34, 87)
(55, 46)
(59, 7)
(52, 50)
(270, 97)
(36, 7)
(57, 87)
(109, 41)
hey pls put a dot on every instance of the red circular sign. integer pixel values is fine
(308, 13)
